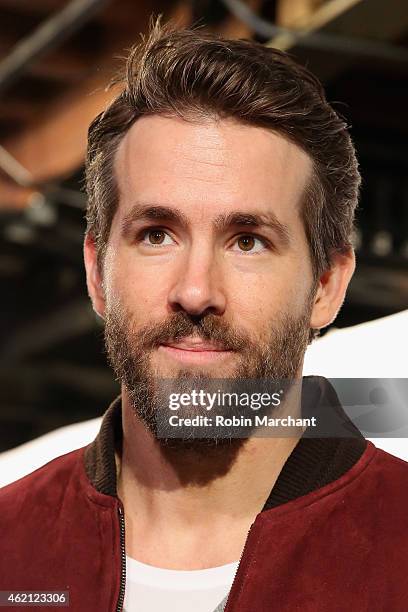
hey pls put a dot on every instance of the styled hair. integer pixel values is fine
(197, 75)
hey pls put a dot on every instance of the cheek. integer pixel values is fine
(263, 296)
(140, 289)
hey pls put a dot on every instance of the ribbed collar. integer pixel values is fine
(313, 463)
(316, 462)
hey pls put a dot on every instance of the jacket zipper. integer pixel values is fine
(239, 564)
(121, 597)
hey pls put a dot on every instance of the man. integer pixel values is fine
(222, 189)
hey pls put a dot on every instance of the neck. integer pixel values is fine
(195, 491)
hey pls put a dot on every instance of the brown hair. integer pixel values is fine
(194, 74)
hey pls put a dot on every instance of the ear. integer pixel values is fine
(93, 277)
(332, 289)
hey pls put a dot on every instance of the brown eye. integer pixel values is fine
(156, 236)
(246, 243)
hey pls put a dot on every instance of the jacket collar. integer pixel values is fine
(313, 463)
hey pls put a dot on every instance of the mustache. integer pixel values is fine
(181, 325)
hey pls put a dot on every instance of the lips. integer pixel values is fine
(195, 346)
(194, 351)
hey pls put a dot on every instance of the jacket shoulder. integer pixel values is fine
(50, 479)
(390, 466)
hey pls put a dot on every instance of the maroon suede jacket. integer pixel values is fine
(332, 536)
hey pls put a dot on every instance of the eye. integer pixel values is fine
(248, 243)
(155, 237)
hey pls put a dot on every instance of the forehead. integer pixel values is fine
(209, 168)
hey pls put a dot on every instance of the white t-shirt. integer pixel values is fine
(153, 589)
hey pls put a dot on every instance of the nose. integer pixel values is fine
(198, 288)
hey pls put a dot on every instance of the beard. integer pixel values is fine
(129, 350)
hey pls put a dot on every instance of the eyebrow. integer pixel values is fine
(222, 222)
(256, 220)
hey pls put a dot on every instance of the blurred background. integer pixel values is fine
(56, 59)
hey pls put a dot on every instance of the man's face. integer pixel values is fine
(207, 269)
